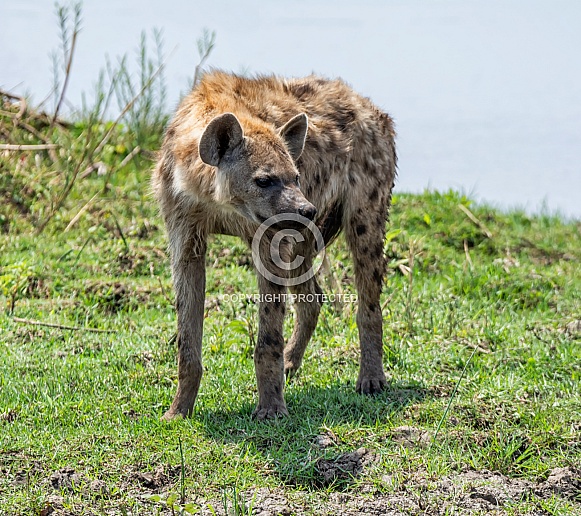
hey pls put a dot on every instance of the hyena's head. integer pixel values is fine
(257, 173)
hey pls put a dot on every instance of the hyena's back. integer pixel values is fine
(349, 156)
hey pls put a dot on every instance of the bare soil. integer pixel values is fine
(464, 493)
(469, 492)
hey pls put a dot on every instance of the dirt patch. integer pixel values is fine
(113, 297)
(132, 415)
(411, 436)
(541, 255)
(467, 493)
(99, 488)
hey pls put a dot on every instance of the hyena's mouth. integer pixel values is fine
(284, 220)
(289, 224)
(297, 225)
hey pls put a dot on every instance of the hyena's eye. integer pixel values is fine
(297, 180)
(264, 182)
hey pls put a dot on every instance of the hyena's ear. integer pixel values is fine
(221, 135)
(294, 134)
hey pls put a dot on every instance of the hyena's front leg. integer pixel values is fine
(189, 276)
(268, 354)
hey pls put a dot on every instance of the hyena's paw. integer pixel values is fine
(270, 411)
(371, 384)
(178, 411)
(173, 414)
(290, 370)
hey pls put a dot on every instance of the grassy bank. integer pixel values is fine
(482, 345)
(482, 342)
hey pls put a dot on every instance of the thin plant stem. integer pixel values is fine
(445, 414)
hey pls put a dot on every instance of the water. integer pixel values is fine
(486, 93)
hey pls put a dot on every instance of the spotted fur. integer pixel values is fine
(332, 154)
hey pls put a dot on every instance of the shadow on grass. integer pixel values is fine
(319, 443)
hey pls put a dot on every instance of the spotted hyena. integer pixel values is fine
(241, 150)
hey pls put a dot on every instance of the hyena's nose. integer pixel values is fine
(308, 211)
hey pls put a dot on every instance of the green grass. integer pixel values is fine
(494, 307)
(481, 342)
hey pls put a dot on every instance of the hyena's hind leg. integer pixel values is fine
(307, 305)
(365, 233)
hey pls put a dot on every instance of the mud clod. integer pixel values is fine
(145, 479)
(99, 488)
(65, 479)
(562, 481)
(160, 478)
(344, 467)
(326, 440)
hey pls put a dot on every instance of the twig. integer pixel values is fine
(476, 221)
(476, 347)
(82, 249)
(163, 292)
(467, 252)
(205, 47)
(118, 226)
(9, 95)
(32, 131)
(87, 155)
(61, 326)
(19, 122)
(90, 169)
(80, 213)
(536, 334)
(67, 76)
(22, 109)
(129, 157)
(44, 146)
(387, 301)
(126, 160)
